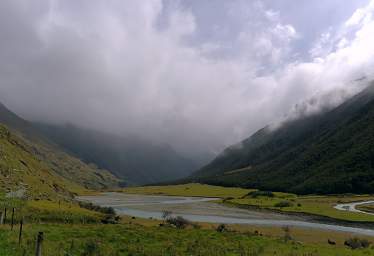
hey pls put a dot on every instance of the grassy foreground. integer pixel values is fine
(286, 202)
(72, 230)
(134, 239)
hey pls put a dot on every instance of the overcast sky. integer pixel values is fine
(199, 75)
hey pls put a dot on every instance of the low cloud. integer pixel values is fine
(143, 67)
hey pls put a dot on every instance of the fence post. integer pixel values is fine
(1, 218)
(12, 223)
(5, 216)
(39, 241)
(20, 232)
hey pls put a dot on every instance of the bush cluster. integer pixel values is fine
(178, 222)
(258, 193)
(357, 243)
(221, 228)
(283, 204)
(96, 208)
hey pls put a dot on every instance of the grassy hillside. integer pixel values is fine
(135, 160)
(53, 157)
(20, 170)
(331, 152)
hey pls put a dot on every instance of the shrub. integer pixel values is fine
(228, 198)
(255, 194)
(111, 219)
(357, 243)
(178, 222)
(91, 248)
(331, 242)
(221, 228)
(282, 204)
(96, 208)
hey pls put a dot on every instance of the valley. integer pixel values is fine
(67, 182)
(186, 128)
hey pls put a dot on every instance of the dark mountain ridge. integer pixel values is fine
(329, 152)
(135, 160)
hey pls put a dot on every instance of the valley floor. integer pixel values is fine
(72, 230)
(315, 206)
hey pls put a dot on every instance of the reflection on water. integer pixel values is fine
(203, 210)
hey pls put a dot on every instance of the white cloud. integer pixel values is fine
(361, 15)
(111, 65)
(323, 45)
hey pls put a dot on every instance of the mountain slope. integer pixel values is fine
(135, 160)
(21, 171)
(53, 157)
(332, 152)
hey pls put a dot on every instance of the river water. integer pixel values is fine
(199, 209)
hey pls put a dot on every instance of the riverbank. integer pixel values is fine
(314, 206)
(204, 210)
(67, 232)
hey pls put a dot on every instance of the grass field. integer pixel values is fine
(189, 190)
(67, 231)
(317, 205)
(366, 208)
(66, 212)
(135, 239)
